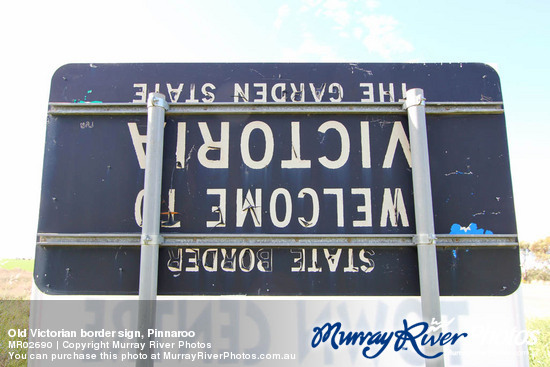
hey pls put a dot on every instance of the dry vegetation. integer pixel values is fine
(15, 284)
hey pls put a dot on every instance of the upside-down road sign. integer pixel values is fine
(278, 179)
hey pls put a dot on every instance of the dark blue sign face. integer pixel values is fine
(274, 174)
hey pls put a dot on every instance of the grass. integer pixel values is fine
(539, 353)
(15, 281)
(23, 264)
(14, 314)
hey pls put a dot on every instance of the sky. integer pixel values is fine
(40, 36)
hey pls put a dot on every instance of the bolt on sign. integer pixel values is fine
(278, 179)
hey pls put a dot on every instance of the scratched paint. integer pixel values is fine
(457, 172)
(85, 100)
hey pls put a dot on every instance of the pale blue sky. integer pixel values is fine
(41, 36)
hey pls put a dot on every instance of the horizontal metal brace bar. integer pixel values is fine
(396, 108)
(52, 239)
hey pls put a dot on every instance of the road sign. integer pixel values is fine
(284, 179)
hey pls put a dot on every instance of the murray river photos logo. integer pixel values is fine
(415, 336)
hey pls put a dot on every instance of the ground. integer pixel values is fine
(15, 284)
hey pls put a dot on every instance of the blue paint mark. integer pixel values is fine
(471, 229)
(85, 100)
(454, 253)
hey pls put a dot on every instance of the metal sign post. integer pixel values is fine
(150, 235)
(425, 232)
